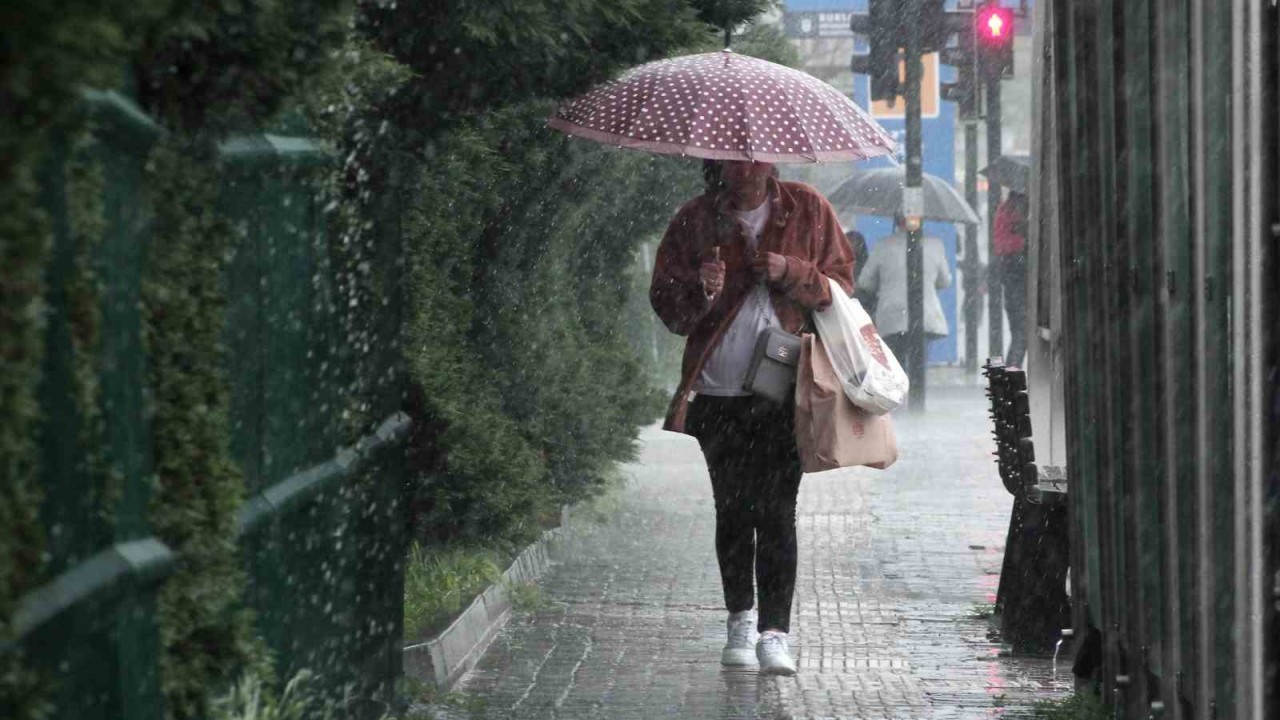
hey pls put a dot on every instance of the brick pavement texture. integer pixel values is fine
(893, 566)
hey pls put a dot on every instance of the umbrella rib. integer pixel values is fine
(799, 116)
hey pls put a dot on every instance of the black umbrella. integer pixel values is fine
(879, 192)
(1011, 171)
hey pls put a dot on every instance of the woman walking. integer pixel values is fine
(750, 253)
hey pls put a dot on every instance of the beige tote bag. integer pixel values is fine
(832, 432)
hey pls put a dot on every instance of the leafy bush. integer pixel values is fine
(225, 65)
(521, 246)
(206, 635)
(440, 582)
(253, 697)
(517, 245)
(471, 57)
(527, 597)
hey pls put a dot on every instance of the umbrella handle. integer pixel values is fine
(717, 250)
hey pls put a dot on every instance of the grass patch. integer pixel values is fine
(252, 698)
(1080, 706)
(429, 702)
(440, 582)
(527, 597)
(982, 611)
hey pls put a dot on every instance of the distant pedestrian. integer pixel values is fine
(1011, 270)
(858, 244)
(749, 253)
(886, 275)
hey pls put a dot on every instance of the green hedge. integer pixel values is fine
(206, 634)
(517, 245)
(521, 245)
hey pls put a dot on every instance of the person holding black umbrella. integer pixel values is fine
(858, 243)
(1011, 257)
(885, 275)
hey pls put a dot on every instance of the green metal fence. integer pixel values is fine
(1164, 184)
(322, 534)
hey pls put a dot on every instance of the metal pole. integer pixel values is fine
(912, 206)
(653, 318)
(995, 306)
(972, 264)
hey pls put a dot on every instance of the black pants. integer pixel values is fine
(750, 448)
(901, 348)
(1013, 285)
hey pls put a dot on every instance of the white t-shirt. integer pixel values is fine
(725, 370)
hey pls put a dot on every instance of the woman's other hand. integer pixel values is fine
(769, 266)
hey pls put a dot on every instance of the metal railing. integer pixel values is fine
(322, 535)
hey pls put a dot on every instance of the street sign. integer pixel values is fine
(816, 24)
(929, 92)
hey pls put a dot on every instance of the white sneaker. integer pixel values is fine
(772, 652)
(742, 636)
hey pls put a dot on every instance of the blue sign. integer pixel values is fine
(938, 138)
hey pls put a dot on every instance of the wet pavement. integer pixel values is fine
(895, 568)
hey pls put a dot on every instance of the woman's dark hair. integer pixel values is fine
(711, 170)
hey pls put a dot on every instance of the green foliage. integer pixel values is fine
(767, 42)
(472, 56)
(50, 49)
(223, 65)
(982, 611)
(84, 188)
(206, 635)
(520, 245)
(24, 250)
(356, 78)
(253, 697)
(1080, 706)
(519, 249)
(440, 582)
(731, 13)
(527, 597)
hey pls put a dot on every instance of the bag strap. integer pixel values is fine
(763, 297)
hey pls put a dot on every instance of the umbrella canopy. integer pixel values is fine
(879, 192)
(1011, 171)
(725, 106)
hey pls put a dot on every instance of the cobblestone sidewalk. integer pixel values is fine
(895, 566)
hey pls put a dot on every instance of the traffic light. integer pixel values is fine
(956, 28)
(993, 30)
(963, 92)
(880, 27)
(935, 24)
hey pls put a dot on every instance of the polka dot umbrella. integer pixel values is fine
(725, 106)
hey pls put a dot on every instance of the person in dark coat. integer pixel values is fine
(1011, 263)
(858, 243)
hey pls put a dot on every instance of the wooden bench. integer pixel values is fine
(1032, 605)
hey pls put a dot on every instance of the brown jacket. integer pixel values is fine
(802, 227)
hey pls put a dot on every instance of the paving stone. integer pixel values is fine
(892, 565)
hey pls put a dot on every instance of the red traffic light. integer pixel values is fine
(995, 24)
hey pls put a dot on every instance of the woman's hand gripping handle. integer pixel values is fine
(712, 275)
